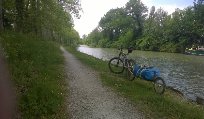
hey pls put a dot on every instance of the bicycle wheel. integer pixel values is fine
(130, 75)
(116, 65)
(159, 85)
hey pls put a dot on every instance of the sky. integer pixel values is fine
(93, 10)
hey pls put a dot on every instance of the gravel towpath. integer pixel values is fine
(6, 90)
(89, 99)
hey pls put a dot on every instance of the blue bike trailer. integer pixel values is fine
(147, 73)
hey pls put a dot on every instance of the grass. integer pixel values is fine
(167, 106)
(36, 68)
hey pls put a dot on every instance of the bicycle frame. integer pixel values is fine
(123, 57)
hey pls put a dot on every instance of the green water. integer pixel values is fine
(182, 72)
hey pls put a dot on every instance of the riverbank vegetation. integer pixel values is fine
(30, 31)
(141, 93)
(36, 68)
(156, 30)
(48, 19)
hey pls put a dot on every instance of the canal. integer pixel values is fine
(184, 73)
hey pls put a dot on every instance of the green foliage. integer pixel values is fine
(168, 106)
(103, 43)
(144, 43)
(138, 11)
(36, 68)
(35, 63)
(124, 40)
(119, 26)
(50, 19)
(157, 31)
(114, 23)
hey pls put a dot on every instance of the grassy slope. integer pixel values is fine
(170, 106)
(36, 67)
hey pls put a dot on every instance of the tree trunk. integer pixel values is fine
(20, 14)
(34, 5)
(1, 15)
(38, 16)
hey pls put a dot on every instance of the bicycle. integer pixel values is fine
(118, 64)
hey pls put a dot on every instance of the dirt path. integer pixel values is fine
(6, 92)
(89, 99)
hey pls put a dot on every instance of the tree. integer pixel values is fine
(115, 23)
(71, 6)
(199, 10)
(199, 20)
(1, 16)
(138, 11)
(20, 14)
(158, 31)
(94, 37)
(50, 19)
(150, 21)
(154, 30)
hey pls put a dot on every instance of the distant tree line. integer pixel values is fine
(50, 19)
(156, 30)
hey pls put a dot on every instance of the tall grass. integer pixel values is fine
(36, 68)
(167, 106)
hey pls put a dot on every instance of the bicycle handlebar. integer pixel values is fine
(120, 48)
(130, 49)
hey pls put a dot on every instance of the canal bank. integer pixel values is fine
(169, 105)
(183, 73)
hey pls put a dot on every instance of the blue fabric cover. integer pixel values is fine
(136, 69)
(147, 73)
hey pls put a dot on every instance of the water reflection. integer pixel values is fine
(182, 72)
